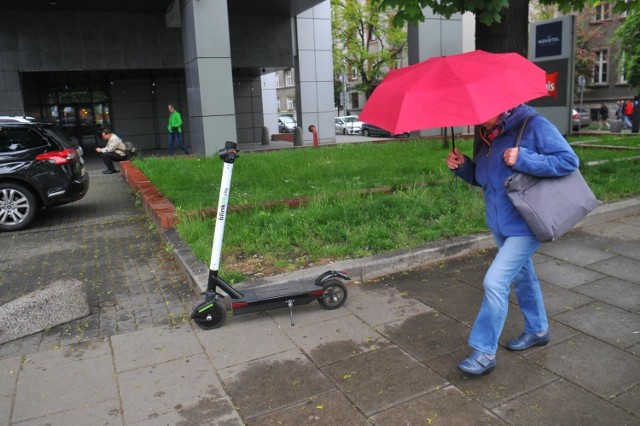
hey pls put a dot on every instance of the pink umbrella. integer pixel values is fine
(456, 90)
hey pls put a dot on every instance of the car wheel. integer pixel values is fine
(17, 207)
(365, 133)
(344, 131)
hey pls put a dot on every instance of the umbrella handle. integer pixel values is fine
(453, 141)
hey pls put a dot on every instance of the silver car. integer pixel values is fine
(348, 125)
(579, 118)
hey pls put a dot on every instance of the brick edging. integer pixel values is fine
(161, 210)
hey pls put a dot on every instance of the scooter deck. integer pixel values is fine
(276, 296)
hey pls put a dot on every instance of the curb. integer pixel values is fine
(155, 204)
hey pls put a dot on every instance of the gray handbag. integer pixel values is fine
(551, 206)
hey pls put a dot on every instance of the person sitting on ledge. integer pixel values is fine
(114, 151)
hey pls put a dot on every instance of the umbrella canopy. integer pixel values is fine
(457, 90)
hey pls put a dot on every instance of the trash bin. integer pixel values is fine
(616, 126)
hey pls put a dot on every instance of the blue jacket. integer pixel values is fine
(543, 152)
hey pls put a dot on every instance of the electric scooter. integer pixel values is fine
(328, 289)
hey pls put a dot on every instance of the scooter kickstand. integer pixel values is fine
(290, 305)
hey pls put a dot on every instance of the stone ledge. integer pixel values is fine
(286, 137)
(58, 303)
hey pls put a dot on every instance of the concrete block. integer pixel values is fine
(60, 302)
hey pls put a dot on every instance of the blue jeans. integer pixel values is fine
(627, 122)
(177, 137)
(512, 264)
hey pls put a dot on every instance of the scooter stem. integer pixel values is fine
(228, 155)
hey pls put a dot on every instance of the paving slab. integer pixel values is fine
(329, 409)
(206, 412)
(445, 294)
(105, 413)
(246, 338)
(378, 380)
(579, 254)
(427, 335)
(5, 409)
(336, 339)
(620, 267)
(605, 322)
(591, 364)
(153, 346)
(273, 383)
(613, 291)
(629, 400)
(9, 369)
(513, 376)
(618, 230)
(558, 299)
(562, 403)
(566, 275)
(445, 406)
(386, 306)
(165, 387)
(87, 371)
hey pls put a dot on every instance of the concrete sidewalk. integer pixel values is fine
(387, 357)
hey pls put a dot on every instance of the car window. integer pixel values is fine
(13, 139)
(57, 133)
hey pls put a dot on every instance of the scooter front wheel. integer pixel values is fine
(335, 293)
(209, 315)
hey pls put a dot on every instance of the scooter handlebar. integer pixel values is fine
(229, 153)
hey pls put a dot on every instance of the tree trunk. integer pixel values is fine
(510, 35)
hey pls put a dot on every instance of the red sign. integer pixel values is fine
(552, 84)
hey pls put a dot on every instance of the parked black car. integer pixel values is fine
(39, 167)
(371, 130)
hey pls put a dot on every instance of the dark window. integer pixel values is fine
(355, 100)
(13, 139)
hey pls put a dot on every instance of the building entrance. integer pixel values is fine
(78, 102)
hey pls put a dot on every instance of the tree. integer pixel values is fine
(628, 35)
(364, 39)
(501, 26)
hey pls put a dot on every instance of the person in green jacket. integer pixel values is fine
(175, 129)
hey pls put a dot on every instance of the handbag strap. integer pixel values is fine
(524, 124)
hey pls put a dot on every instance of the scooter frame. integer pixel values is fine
(328, 289)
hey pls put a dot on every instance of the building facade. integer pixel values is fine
(118, 64)
(606, 82)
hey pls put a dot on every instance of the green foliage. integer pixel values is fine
(488, 11)
(628, 35)
(365, 38)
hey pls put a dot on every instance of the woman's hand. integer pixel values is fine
(455, 159)
(510, 156)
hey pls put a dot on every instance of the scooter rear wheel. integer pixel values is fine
(335, 293)
(212, 318)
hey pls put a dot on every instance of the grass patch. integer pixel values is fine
(260, 177)
(339, 222)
